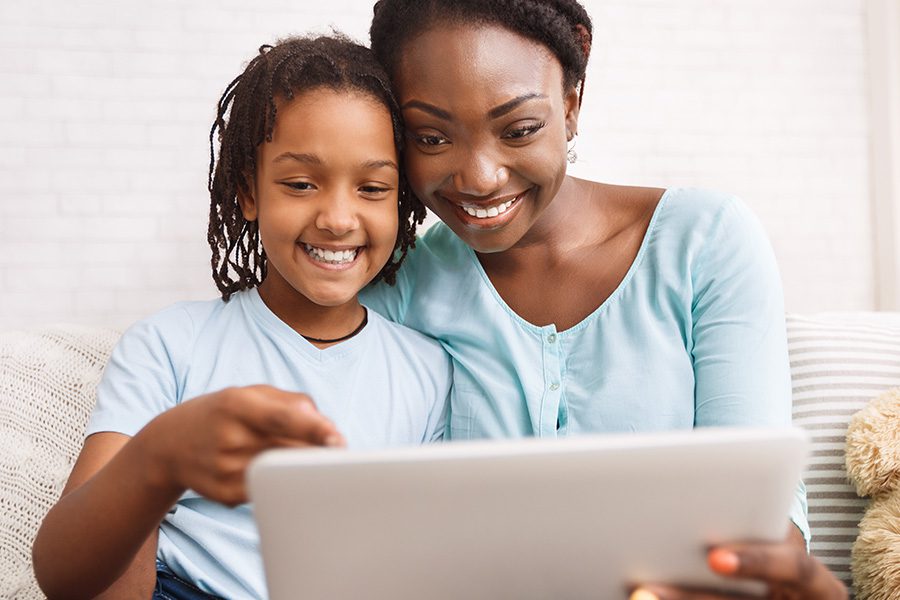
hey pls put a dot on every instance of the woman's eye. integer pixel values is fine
(299, 186)
(431, 140)
(524, 131)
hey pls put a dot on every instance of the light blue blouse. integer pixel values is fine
(693, 336)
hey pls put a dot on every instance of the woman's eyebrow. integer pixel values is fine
(429, 108)
(494, 113)
(506, 107)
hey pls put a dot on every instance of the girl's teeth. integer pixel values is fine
(482, 213)
(336, 257)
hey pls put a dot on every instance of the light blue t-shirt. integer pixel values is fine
(693, 336)
(386, 386)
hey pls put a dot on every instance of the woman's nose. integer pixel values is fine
(479, 173)
(337, 214)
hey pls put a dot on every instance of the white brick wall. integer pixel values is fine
(105, 108)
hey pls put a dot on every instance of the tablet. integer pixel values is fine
(581, 517)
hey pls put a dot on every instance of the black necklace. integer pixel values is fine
(342, 338)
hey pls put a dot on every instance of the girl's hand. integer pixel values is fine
(789, 571)
(206, 444)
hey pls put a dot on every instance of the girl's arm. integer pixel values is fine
(104, 526)
(103, 529)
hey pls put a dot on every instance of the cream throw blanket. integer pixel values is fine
(47, 382)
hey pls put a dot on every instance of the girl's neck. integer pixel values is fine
(326, 325)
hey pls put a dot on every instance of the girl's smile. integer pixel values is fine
(331, 257)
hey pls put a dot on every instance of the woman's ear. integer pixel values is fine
(247, 200)
(571, 103)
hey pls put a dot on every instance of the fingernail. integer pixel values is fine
(642, 594)
(334, 441)
(724, 561)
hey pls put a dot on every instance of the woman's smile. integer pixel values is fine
(491, 214)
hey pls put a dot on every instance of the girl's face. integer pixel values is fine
(325, 195)
(488, 122)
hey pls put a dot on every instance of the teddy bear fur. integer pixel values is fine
(873, 464)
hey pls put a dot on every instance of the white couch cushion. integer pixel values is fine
(839, 362)
(47, 381)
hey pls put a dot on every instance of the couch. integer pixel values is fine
(839, 361)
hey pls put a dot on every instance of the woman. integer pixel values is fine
(569, 305)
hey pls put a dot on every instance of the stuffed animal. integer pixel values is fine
(873, 464)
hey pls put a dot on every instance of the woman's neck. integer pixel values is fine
(572, 221)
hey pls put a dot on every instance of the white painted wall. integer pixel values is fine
(105, 108)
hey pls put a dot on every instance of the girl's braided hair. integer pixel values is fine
(246, 118)
(563, 26)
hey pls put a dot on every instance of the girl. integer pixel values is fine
(568, 305)
(306, 201)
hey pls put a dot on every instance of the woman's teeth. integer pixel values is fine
(487, 213)
(335, 257)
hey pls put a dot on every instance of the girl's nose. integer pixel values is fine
(337, 214)
(480, 174)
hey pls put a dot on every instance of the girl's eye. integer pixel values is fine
(524, 131)
(299, 186)
(374, 191)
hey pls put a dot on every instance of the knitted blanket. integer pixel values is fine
(47, 383)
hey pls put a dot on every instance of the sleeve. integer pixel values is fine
(141, 379)
(440, 412)
(739, 342)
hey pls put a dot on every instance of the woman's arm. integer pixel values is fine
(786, 567)
(739, 343)
(742, 378)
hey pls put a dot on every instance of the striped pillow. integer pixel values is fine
(838, 363)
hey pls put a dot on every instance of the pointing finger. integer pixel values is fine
(293, 416)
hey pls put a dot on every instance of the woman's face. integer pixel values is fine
(488, 121)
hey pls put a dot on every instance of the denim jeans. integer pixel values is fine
(170, 586)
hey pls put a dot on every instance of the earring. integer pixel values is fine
(571, 155)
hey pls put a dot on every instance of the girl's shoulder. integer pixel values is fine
(176, 327)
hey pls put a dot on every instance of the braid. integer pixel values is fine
(245, 118)
(563, 26)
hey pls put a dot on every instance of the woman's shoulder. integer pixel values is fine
(690, 213)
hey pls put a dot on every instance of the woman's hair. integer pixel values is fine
(246, 118)
(563, 26)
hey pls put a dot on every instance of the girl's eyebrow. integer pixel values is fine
(494, 113)
(312, 159)
(378, 164)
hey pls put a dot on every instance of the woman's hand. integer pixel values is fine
(791, 574)
(207, 443)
